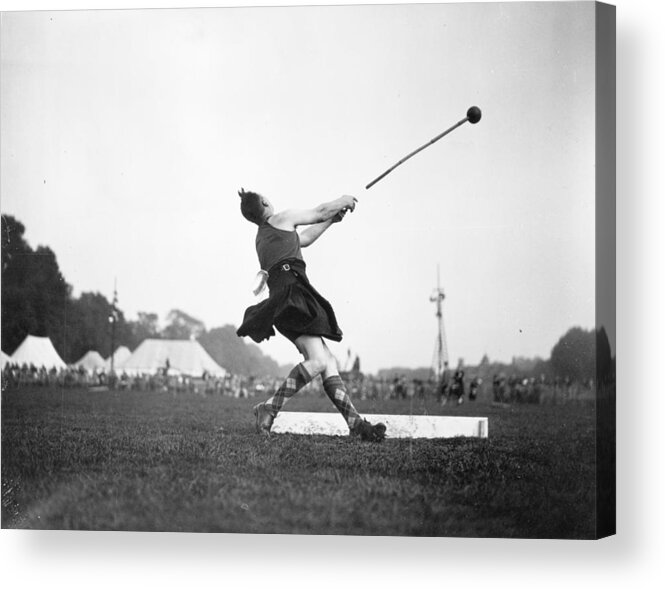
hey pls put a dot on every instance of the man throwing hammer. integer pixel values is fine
(295, 308)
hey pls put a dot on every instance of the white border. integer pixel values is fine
(633, 558)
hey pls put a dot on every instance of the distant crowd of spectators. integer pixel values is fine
(454, 386)
(164, 380)
(516, 389)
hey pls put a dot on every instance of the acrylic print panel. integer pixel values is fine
(474, 280)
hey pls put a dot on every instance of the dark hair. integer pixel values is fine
(251, 206)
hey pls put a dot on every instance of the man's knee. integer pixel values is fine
(316, 365)
(331, 364)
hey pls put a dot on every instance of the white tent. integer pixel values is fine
(91, 361)
(119, 356)
(5, 360)
(180, 356)
(38, 351)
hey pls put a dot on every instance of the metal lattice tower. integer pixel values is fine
(440, 359)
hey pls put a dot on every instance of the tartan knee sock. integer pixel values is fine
(297, 379)
(336, 391)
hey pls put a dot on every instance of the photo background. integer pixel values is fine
(633, 557)
(126, 135)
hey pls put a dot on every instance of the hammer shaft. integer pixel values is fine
(373, 182)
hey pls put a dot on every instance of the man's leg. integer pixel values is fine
(297, 379)
(299, 376)
(335, 388)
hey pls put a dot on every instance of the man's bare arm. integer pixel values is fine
(309, 235)
(290, 219)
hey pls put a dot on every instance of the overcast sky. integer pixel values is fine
(126, 135)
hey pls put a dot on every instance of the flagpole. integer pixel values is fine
(113, 319)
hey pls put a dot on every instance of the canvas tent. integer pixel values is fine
(38, 351)
(91, 361)
(119, 356)
(181, 356)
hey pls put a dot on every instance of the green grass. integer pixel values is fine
(81, 460)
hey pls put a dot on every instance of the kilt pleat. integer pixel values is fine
(294, 307)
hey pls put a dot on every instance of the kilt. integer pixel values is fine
(294, 307)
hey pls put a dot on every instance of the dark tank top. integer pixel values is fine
(274, 245)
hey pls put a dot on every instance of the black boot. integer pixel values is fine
(368, 432)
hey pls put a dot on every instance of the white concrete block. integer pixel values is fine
(398, 426)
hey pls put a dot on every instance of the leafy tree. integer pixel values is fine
(182, 326)
(523, 365)
(145, 327)
(574, 355)
(89, 327)
(542, 367)
(35, 296)
(13, 245)
(236, 356)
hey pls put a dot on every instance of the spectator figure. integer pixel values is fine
(474, 386)
(457, 389)
(499, 388)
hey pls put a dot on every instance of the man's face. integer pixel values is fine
(268, 208)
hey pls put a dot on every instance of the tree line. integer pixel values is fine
(37, 300)
(580, 355)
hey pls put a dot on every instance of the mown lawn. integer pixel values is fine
(82, 460)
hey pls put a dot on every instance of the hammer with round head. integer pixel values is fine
(472, 115)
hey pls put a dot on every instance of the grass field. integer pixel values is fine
(82, 460)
